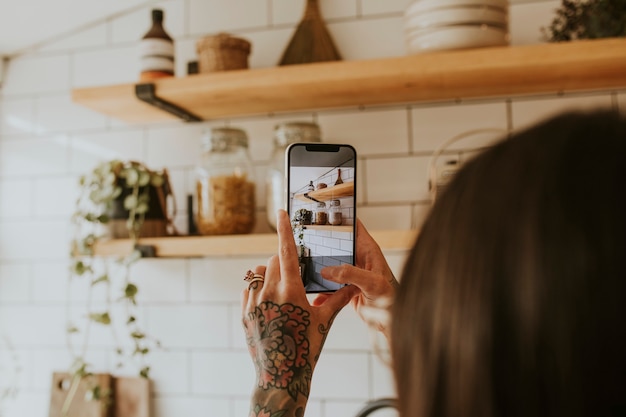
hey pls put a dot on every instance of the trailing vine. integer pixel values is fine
(108, 182)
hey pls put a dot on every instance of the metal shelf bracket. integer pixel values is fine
(147, 92)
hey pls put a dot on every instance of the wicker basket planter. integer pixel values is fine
(222, 52)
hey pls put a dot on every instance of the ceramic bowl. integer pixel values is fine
(456, 37)
(420, 6)
(457, 15)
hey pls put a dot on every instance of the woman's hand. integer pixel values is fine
(371, 275)
(284, 332)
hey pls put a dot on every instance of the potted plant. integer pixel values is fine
(112, 190)
(301, 218)
(587, 19)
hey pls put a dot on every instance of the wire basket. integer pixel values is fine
(222, 52)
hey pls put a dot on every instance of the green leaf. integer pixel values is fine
(131, 319)
(102, 278)
(144, 372)
(141, 208)
(79, 368)
(132, 257)
(102, 318)
(144, 179)
(157, 180)
(103, 218)
(72, 329)
(137, 335)
(130, 202)
(130, 291)
(141, 351)
(80, 268)
(132, 177)
(109, 178)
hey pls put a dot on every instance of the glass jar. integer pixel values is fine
(321, 216)
(225, 187)
(334, 215)
(276, 188)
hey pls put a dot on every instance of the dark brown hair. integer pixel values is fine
(513, 299)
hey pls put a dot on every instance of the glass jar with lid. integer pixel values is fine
(225, 184)
(276, 189)
(321, 216)
(334, 215)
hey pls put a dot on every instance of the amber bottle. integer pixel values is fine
(156, 50)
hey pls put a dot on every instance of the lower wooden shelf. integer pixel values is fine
(329, 228)
(232, 245)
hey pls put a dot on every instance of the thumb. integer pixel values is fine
(337, 300)
(367, 281)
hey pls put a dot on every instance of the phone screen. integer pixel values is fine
(321, 202)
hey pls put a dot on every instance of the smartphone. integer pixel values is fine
(321, 202)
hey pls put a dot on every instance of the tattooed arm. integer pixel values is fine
(284, 332)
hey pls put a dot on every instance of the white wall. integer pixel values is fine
(192, 305)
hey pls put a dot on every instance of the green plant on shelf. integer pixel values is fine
(110, 184)
(587, 19)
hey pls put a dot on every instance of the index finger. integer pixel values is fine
(287, 253)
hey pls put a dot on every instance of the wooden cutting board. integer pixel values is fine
(79, 406)
(131, 396)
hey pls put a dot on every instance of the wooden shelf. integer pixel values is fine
(329, 228)
(446, 75)
(255, 244)
(329, 193)
(483, 72)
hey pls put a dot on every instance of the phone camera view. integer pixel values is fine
(321, 201)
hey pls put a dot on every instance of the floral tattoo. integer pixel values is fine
(277, 340)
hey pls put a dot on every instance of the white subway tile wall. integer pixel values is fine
(192, 305)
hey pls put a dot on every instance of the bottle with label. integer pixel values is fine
(156, 50)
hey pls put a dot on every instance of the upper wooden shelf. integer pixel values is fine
(482, 72)
(253, 244)
(329, 193)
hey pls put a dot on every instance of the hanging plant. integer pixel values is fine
(300, 218)
(112, 188)
(587, 19)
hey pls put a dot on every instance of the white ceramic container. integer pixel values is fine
(420, 6)
(456, 16)
(457, 37)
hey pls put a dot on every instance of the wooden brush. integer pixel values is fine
(311, 41)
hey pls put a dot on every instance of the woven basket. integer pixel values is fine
(222, 52)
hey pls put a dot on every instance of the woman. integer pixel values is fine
(511, 302)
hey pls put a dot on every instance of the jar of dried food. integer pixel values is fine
(225, 184)
(276, 188)
(321, 216)
(334, 215)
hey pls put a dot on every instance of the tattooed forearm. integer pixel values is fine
(324, 329)
(279, 340)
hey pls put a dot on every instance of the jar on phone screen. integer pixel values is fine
(321, 216)
(334, 214)
(225, 184)
(276, 188)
